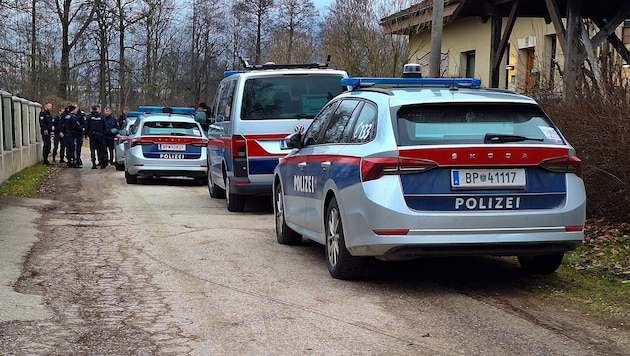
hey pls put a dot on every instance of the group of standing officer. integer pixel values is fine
(71, 126)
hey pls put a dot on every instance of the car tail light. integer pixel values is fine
(202, 143)
(239, 146)
(141, 142)
(564, 164)
(123, 139)
(374, 168)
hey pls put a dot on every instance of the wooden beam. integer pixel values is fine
(554, 13)
(495, 40)
(617, 43)
(608, 27)
(507, 32)
(571, 65)
(590, 55)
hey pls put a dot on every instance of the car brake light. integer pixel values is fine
(123, 139)
(239, 147)
(564, 164)
(374, 168)
(202, 143)
(141, 142)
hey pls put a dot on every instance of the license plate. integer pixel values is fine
(488, 178)
(171, 147)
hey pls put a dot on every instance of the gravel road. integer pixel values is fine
(160, 268)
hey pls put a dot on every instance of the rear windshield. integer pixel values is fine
(288, 97)
(166, 128)
(467, 123)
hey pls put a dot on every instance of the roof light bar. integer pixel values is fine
(447, 82)
(134, 113)
(167, 110)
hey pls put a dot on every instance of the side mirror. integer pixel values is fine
(294, 141)
(123, 132)
(219, 118)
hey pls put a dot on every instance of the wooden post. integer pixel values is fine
(571, 65)
(435, 59)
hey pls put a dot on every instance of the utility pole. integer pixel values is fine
(435, 59)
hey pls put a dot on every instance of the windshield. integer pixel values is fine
(468, 123)
(288, 96)
(167, 128)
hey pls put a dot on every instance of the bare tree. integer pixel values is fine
(77, 14)
(351, 33)
(293, 37)
(259, 12)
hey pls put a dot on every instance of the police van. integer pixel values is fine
(253, 111)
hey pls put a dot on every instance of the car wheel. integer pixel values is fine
(341, 264)
(284, 234)
(215, 191)
(130, 178)
(235, 202)
(543, 264)
(119, 167)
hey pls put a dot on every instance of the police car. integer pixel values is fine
(410, 167)
(254, 110)
(121, 137)
(166, 142)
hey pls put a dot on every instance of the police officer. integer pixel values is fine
(95, 129)
(58, 140)
(80, 116)
(111, 129)
(46, 126)
(73, 134)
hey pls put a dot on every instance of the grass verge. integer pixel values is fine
(26, 182)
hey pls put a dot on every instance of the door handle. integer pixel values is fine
(301, 165)
(326, 165)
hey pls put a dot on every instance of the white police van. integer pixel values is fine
(253, 111)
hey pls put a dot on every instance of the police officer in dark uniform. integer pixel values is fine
(73, 134)
(58, 139)
(111, 129)
(80, 116)
(95, 129)
(46, 126)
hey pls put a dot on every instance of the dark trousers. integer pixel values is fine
(72, 155)
(46, 149)
(59, 143)
(97, 149)
(109, 144)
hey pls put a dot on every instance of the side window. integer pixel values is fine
(223, 105)
(365, 128)
(339, 121)
(314, 133)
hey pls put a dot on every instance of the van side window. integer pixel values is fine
(223, 105)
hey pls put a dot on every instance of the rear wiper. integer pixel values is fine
(502, 138)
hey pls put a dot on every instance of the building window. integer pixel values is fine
(468, 61)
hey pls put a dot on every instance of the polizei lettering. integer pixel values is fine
(487, 203)
(304, 184)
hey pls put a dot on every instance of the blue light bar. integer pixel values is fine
(447, 82)
(167, 110)
(227, 73)
(134, 113)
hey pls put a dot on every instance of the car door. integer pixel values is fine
(293, 168)
(323, 162)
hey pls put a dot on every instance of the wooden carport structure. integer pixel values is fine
(574, 40)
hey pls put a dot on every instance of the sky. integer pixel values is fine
(321, 5)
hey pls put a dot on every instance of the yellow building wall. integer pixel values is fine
(529, 36)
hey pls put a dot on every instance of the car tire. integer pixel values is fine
(541, 264)
(131, 179)
(341, 264)
(284, 234)
(235, 202)
(119, 167)
(215, 191)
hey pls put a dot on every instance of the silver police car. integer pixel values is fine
(166, 142)
(121, 137)
(411, 167)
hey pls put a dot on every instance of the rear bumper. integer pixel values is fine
(244, 187)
